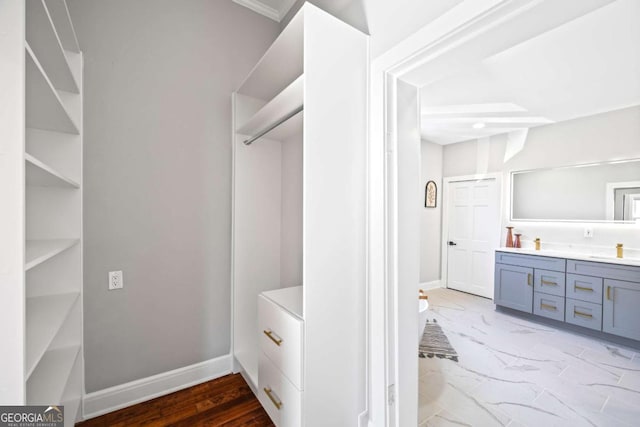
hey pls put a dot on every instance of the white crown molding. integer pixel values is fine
(261, 8)
(114, 398)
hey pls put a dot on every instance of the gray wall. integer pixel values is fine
(157, 172)
(608, 136)
(431, 218)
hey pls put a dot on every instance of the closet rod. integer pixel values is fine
(273, 126)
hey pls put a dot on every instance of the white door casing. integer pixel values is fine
(467, 20)
(473, 219)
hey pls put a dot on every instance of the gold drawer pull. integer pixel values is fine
(269, 333)
(276, 402)
(582, 288)
(548, 307)
(585, 315)
(608, 292)
(529, 279)
(546, 282)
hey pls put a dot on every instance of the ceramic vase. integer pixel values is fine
(516, 241)
(509, 242)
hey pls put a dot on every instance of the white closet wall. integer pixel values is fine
(299, 219)
(291, 211)
(41, 156)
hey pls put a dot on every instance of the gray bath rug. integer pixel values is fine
(435, 343)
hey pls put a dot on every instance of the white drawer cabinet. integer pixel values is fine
(280, 378)
(281, 339)
(279, 397)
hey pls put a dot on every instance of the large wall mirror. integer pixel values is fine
(603, 192)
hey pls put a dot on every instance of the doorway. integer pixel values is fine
(471, 230)
(472, 32)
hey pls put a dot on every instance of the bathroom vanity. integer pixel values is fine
(595, 293)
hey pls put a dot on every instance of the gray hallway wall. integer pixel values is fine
(157, 171)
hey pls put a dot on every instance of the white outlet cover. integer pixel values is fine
(116, 280)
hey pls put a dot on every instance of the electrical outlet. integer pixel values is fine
(116, 280)
(588, 232)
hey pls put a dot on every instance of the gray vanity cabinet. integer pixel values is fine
(620, 294)
(600, 296)
(515, 275)
(514, 287)
(621, 308)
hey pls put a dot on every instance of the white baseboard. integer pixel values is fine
(120, 396)
(427, 286)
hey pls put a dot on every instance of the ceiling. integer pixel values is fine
(272, 9)
(387, 22)
(585, 66)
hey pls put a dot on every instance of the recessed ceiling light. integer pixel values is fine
(479, 125)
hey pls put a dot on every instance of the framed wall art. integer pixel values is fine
(431, 195)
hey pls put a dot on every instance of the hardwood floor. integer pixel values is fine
(226, 401)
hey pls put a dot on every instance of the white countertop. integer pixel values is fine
(593, 257)
(288, 298)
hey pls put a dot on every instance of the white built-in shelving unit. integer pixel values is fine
(41, 219)
(299, 199)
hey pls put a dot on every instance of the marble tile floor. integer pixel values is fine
(514, 372)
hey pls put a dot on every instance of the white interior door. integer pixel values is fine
(472, 235)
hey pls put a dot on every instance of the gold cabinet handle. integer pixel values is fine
(582, 288)
(585, 315)
(548, 307)
(529, 279)
(608, 292)
(546, 282)
(276, 402)
(269, 333)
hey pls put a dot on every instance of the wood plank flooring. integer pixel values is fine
(227, 401)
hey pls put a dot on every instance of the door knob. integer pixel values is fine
(452, 243)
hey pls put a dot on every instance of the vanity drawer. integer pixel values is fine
(533, 261)
(548, 282)
(584, 288)
(585, 314)
(627, 273)
(551, 306)
(281, 399)
(281, 339)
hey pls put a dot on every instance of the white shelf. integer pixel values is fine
(45, 316)
(45, 109)
(46, 385)
(287, 101)
(38, 251)
(280, 65)
(288, 298)
(39, 174)
(62, 22)
(43, 40)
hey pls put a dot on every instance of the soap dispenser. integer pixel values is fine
(619, 250)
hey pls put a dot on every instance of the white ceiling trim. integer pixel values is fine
(261, 8)
(258, 6)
